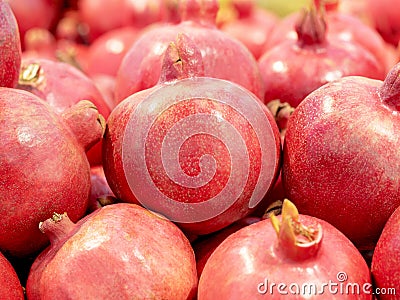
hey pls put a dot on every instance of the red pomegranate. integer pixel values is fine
(10, 47)
(340, 155)
(386, 258)
(201, 151)
(62, 85)
(294, 256)
(121, 251)
(223, 57)
(294, 68)
(10, 286)
(43, 166)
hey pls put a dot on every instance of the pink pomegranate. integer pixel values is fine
(223, 57)
(43, 166)
(10, 286)
(294, 68)
(294, 256)
(252, 27)
(62, 85)
(35, 13)
(10, 47)
(201, 151)
(121, 251)
(107, 51)
(385, 259)
(340, 155)
(104, 15)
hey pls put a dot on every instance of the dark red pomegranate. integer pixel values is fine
(386, 258)
(62, 85)
(201, 151)
(294, 68)
(121, 251)
(43, 166)
(340, 155)
(10, 286)
(223, 57)
(10, 47)
(292, 255)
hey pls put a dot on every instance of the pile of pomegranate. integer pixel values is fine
(199, 149)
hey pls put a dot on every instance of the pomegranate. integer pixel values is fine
(201, 151)
(10, 286)
(43, 166)
(293, 69)
(252, 26)
(342, 26)
(104, 15)
(62, 85)
(107, 51)
(205, 245)
(291, 255)
(385, 259)
(223, 57)
(35, 13)
(39, 43)
(385, 18)
(121, 251)
(10, 47)
(340, 155)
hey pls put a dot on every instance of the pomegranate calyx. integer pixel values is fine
(311, 27)
(31, 75)
(281, 112)
(57, 227)
(390, 89)
(85, 121)
(275, 208)
(182, 59)
(295, 240)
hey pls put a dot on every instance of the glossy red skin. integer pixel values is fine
(104, 15)
(204, 246)
(121, 251)
(342, 26)
(35, 13)
(340, 158)
(107, 51)
(249, 256)
(116, 176)
(10, 286)
(63, 86)
(43, 169)
(10, 47)
(141, 67)
(385, 19)
(385, 260)
(253, 30)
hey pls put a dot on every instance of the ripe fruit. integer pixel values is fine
(341, 154)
